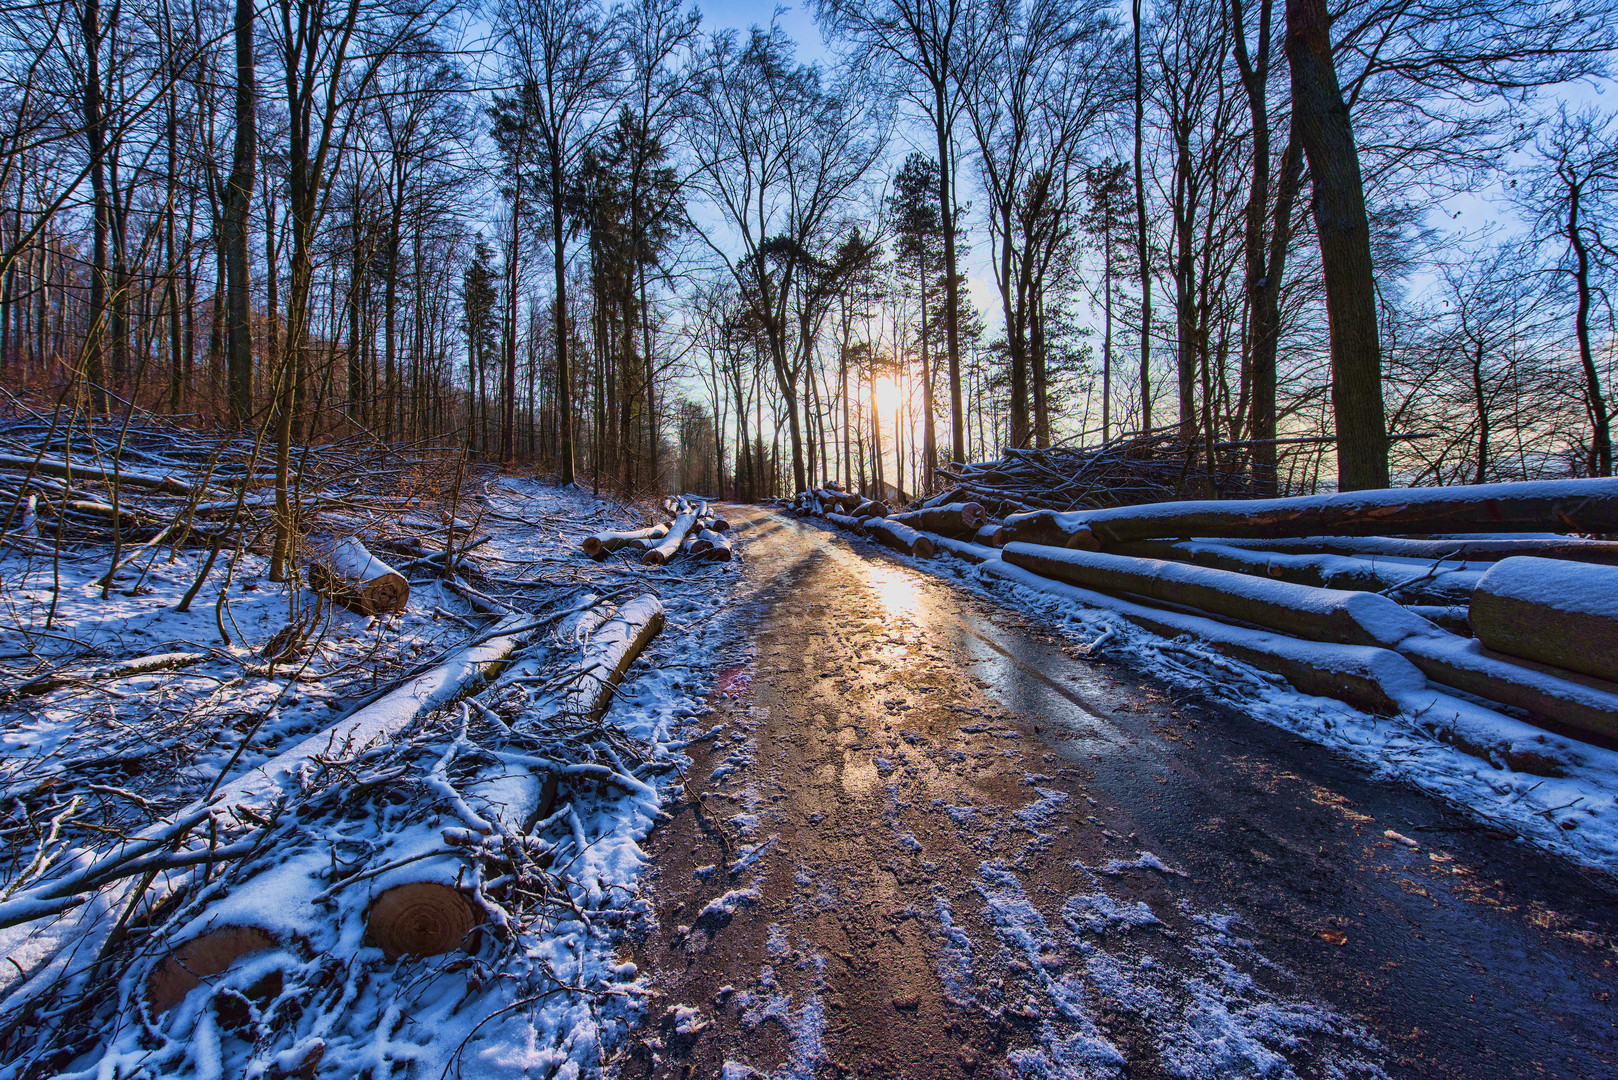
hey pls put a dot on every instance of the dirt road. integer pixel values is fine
(926, 839)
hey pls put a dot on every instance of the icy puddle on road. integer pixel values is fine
(925, 841)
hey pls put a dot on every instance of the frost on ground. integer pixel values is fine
(1216, 1007)
(538, 988)
(1551, 791)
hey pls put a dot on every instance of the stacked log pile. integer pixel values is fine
(1145, 467)
(1330, 587)
(871, 517)
(694, 531)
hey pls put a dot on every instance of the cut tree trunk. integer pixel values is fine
(961, 520)
(899, 537)
(1466, 549)
(718, 547)
(871, 508)
(1586, 506)
(203, 957)
(345, 570)
(666, 548)
(421, 918)
(1550, 611)
(603, 542)
(849, 522)
(610, 650)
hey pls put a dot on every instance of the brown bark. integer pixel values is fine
(1327, 134)
(1575, 627)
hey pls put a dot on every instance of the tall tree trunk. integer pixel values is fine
(1345, 247)
(1141, 249)
(1600, 461)
(96, 137)
(564, 375)
(238, 197)
(952, 330)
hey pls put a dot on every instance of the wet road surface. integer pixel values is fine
(926, 838)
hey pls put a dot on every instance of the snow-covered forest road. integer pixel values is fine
(928, 838)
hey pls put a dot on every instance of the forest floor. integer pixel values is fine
(867, 816)
(928, 836)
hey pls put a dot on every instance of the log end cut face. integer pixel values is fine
(184, 969)
(422, 918)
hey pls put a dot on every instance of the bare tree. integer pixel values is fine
(565, 57)
(776, 154)
(1573, 197)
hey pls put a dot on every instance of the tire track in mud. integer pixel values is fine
(923, 847)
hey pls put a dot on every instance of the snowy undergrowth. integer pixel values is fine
(1566, 804)
(539, 988)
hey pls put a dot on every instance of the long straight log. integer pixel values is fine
(899, 537)
(961, 520)
(1411, 580)
(1466, 549)
(1345, 618)
(1550, 611)
(611, 541)
(848, 521)
(1348, 618)
(1587, 505)
(665, 549)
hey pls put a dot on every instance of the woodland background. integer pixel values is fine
(630, 247)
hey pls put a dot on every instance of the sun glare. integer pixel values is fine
(887, 396)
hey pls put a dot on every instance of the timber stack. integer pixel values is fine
(694, 531)
(1502, 592)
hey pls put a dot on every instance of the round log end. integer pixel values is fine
(972, 515)
(720, 525)
(422, 918)
(183, 970)
(1000, 537)
(699, 546)
(717, 554)
(1083, 539)
(652, 558)
(591, 545)
(385, 594)
(924, 547)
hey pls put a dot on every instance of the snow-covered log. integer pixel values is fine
(964, 549)
(1049, 528)
(961, 520)
(611, 648)
(420, 908)
(611, 541)
(1368, 678)
(899, 537)
(719, 549)
(47, 936)
(1439, 580)
(871, 508)
(991, 534)
(848, 521)
(345, 570)
(1346, 618)
(1328, 615)
(1586, 505)
(666, 548)
(1552, 611)
(1465, 548)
